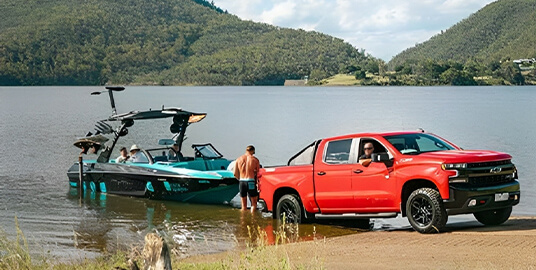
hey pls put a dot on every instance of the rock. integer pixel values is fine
(156, 253)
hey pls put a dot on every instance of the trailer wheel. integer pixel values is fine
(493, 217)
(425, 211)
(289, 209)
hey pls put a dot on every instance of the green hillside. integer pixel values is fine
(164, 42)
(503, 30)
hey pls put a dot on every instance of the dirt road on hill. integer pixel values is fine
(464, 245)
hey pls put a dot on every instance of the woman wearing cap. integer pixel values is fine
(136, 156)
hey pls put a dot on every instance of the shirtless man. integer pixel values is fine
(367, 157)
(246, 168)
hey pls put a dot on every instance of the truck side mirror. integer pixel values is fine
(379, 157)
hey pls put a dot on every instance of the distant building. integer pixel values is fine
(525, 61)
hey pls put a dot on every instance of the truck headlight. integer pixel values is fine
(453, 166)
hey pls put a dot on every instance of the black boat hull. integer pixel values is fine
(154, 184)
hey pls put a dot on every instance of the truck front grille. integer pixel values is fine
(486, 174)
(490, 180)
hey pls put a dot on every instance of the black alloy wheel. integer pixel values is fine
(425, 211)
(289, 209)
(421, 211)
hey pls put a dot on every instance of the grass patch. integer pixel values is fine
(261, 252)
(342, 80)
(350, 80)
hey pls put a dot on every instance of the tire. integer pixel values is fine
(494, 217)
(425, 211)
(289, 208)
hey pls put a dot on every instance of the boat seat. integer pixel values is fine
(160, 158)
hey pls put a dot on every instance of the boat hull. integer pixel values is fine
(153, 183)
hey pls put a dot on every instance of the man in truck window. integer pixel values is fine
(366, 158)
(246, 168)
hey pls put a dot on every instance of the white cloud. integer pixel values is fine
(283, 11)
(382, 28)
(456, 6)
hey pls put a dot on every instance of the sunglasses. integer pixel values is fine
(369, 148)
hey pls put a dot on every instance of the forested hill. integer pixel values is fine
(505, 29)
(164, 42)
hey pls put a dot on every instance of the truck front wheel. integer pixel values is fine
(289, 209)
(493, 217)
(425, 211)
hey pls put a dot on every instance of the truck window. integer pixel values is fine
(414, 144)
(378, 147)
(338, 152)
(305, 156)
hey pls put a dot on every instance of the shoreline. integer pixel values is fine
(465, 245)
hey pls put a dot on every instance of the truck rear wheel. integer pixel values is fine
(289, 209)
(425, 211)
(494, 217)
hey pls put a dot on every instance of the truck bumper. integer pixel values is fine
(470, 200)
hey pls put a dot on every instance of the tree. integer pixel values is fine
(454, 76)
(510, 72)
(360, 74)
(317, 75)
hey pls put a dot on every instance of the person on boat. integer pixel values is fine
(174, 153)
(123, 157)
(91, 148)
(366, 158)
(136, 156)
(245, 170)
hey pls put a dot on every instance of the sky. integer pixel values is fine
(383, 28)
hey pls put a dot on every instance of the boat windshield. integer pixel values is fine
(416, 143)
(206, 151)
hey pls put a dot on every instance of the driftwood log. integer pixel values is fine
(156, 253)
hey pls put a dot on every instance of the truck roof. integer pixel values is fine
(374, 134)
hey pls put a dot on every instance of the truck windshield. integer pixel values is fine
(414, 144)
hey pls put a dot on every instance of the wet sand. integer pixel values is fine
(464, 245)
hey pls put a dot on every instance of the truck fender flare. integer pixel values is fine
(413, 184)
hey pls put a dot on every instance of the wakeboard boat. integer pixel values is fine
(165, 173)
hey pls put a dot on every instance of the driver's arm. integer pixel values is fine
(365, 162)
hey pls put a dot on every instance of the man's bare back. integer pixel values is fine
(245, 170)
(246, 167)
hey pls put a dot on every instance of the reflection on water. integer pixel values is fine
(111, 222)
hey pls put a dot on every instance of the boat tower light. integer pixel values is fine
(110, 90)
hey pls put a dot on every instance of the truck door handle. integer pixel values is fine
(358, 171)
(321, 173)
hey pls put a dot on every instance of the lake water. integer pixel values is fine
(39, 124)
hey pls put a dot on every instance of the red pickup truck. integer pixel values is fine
(416, 174)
